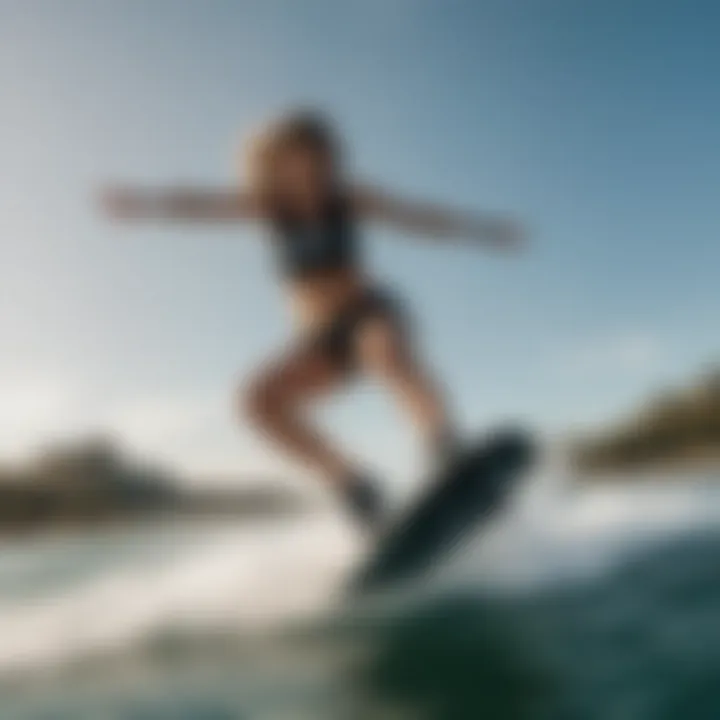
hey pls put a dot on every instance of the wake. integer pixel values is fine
(263, 577)
(246, 580)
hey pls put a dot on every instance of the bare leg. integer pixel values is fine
(385, 352)
(275, 399)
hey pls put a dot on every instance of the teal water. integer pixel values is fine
(598, 604)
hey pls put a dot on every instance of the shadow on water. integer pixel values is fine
(456, 658)
(640, 642)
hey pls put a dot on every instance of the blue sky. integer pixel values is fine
(596, 121)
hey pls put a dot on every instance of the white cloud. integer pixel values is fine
(160, 419)
(36, 408)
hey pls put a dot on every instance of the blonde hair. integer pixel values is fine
(265, 146)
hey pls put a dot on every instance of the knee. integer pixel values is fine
(259, 400)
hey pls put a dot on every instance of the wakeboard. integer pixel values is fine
(461, 498)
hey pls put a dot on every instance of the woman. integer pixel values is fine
(347, 324)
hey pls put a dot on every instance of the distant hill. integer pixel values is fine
(682, 426)
(92, 482)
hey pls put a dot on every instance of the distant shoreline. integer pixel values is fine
(241, 507)
(679, 428)
(65, 530)
(93, 484)
(702, 462)
(648, 472)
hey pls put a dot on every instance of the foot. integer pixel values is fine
(364, 500)
(444, 451)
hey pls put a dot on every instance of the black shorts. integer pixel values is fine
(336, 340)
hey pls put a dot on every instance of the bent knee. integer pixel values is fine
(260, 399)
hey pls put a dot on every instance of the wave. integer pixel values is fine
(242, 580)
(519, 599)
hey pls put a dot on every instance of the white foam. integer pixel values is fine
(248, 578)
(259, 576)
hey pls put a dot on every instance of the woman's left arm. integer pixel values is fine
(435, 221)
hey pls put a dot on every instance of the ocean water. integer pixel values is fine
(585, 603)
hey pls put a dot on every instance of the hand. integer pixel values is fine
(504, 234)
(123, 203)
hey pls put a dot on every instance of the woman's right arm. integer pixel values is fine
(179, 205)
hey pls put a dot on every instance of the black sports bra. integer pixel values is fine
(303, 250)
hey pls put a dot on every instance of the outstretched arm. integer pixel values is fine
(435, 221)
(179, 204)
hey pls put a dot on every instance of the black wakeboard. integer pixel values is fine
(462, 497)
